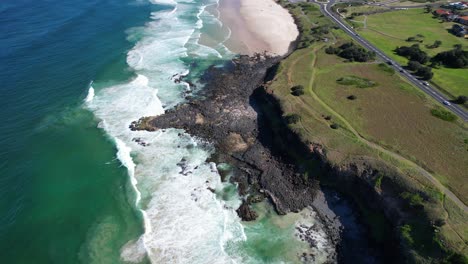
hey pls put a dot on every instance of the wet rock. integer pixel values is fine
(246, 213)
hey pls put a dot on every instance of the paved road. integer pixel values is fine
(325, 7)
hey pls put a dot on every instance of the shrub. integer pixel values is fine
(413, 199)
(297, 90)
(378, 181)
(292, 118)
(356, 81)
(405, 231)
(443, 114)
(384, 67)
(436, 44)
(331, 50)
(461, 99)
(440, 222)
(457, 258)
(335, 126)
(352, 97)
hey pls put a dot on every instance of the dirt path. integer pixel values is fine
(373, 145)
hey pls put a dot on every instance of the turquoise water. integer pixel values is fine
(77, 185)
(60, 181)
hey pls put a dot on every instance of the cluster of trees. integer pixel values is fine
(352, 52)
(456, 58)
(413, 53)
(420, 70)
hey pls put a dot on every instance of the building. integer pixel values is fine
(442, 12)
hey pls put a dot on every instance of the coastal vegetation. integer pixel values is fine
(388, 139)
(456, 58)
(351, 52)
(391, 30)
(356, 81)
(443, 114)
(297, 90)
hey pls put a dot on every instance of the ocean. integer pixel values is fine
(77, 185)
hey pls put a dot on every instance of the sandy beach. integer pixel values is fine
(257, 26)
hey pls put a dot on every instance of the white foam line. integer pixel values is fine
(90, 95)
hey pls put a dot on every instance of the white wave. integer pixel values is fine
(163, 2)
(184, 221)
(90, 95)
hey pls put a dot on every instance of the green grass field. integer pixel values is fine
(395, 115)
(391, 116)
(391, 29)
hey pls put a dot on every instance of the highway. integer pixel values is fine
(325, 7)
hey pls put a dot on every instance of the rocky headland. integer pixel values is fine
(227, 112)
(237, 113)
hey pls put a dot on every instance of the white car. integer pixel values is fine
(446, 103)
(426, 83)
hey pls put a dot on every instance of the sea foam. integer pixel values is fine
(185, 220)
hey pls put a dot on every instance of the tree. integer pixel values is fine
(425, 73)
(297, 90)
(292, 118)
(414, 65)
(335, 126)
(352, 97)
(461, 99)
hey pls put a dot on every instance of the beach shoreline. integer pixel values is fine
(259, 26)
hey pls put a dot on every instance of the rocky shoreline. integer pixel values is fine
(227, 114)
(235, 112)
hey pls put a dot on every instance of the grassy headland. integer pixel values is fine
(387, 127)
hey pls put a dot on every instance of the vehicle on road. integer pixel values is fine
(446, 103)
(426, 83)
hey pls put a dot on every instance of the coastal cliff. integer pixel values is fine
(242, 118)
